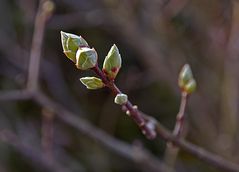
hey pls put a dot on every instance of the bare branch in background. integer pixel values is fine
(40, 161)
(45, 9)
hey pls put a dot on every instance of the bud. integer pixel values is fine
(185, 75)
(92, 83)
(112, 63)
(71, 43)
(86, 58)
(186, 80)
(121, 99)
(48, 6)
(190, 86)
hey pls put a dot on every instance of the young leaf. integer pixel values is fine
(86, 58)
(71, 43)
(112, 63)
(92, 83)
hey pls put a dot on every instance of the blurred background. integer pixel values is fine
(156, 38)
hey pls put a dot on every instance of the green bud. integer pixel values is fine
(92, 83)
(190, 86)
(112, 63)
(71, 43)
(185, 75)
(186, 80)
(121, 99)
(86, 58)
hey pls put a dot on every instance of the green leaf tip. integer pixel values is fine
(112, 63)
(92, 83)
(186, 80)
(86, 58)
(121, 99)
(71, 43)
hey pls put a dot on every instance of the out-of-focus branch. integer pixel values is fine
(44, 11)
(14, 95)
(197, 151)
(126, 151)
(171, 151)
(141, 157)
(180, 116)
(47, 132)
(40, 161)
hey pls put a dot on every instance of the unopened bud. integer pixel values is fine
(121, 99)
(128, 112)
(186, 80)
(86, 58)
(112, 63)
(71, 43)
(92, 83)
(190, 86)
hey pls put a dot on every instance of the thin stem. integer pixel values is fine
(181, 115)
(171, 151)
(35, 55)
(146, 127)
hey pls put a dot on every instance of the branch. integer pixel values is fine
(181, 115)
(14, 95)
(44, 11)
(197, 151)
(208, 157)
(171, 151)
(29, 152)
(132, 112)
(124, 150)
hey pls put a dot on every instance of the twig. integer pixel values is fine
(208, 157)
(126, 151)
(14, 95)
(133, 112)
(116, 146)
(42, 15)
(47, 131)
(171, 151)
(181, 115)
(35, 156)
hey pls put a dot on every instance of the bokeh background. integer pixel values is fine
(155, 38)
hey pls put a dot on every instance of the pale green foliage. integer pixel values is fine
(112, 63)
(92, 82)
(86, 58)
(71, 43)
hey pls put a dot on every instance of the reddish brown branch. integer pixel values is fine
(133, 112)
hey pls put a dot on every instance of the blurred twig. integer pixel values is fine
(171, 151)
(98, 135)
(199, 152)
(45, 10)
(47, 131)
(41, 161)
(14, 95)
